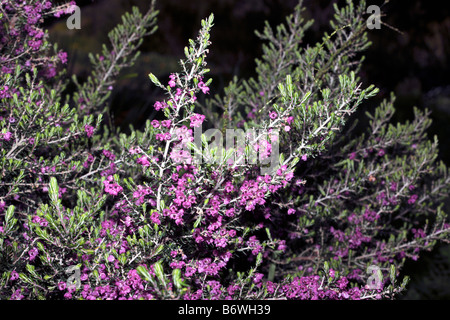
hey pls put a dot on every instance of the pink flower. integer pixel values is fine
(155, 124)
(6, 136)
(393, 186)
(332, 273)
(413, 199)
(179, 155)
(203, 87)
(14, 275)
(178, 94)
(163, 136)
(273, 115)
(197, 119)
(143, 161)
(166, 123)
(257, 278)
(89, 130)
(63, 57)
(67, 295)
(155, 218)
(33, 253)
(111, 186)
(158, 106)
(135, 150)
(61, 285)
(172, 82)
(109, 154)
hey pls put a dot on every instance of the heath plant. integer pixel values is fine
(286, 202)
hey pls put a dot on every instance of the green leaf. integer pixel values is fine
(197, 221)
(326, 267)
(405, 281)
(268, 234)
(154, 79)
(282, 89)
(392, 274)
(53, 190)
(40, 246)
(380, 274)
(157, 267)
(143, 273)
(176, 276)
(9, 214)
(259, 259)
(158, 250)
(30, 268)
(289, 84)
(23, 277)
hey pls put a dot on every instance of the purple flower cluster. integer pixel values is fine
(143, 160)
(299, 288)
(311, 288)
(196, 120)
(89, 130)
(140, 194)
(41, 221)
(203, 87)
(6, 136)
(26, 38)
(112, 187)
(131, 288)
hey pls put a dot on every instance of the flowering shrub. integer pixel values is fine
(89, 213)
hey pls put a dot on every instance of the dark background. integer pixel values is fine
(409, 56)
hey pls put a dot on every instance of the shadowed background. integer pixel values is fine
(412, 61)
